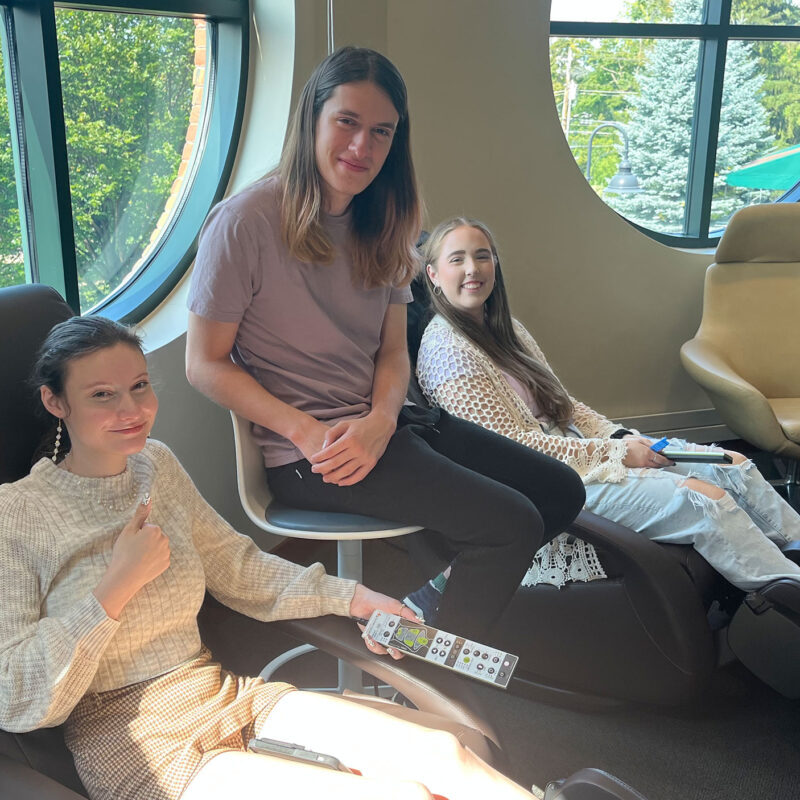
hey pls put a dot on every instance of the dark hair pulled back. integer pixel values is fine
(71, 339)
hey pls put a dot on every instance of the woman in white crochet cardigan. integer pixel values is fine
(478, 363)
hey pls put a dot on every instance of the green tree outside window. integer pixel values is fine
(127, 88)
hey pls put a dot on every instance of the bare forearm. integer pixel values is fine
(390, 384)
(232, 387)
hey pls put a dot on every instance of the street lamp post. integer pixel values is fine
(624, 182)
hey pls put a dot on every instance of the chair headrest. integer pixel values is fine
(762, 233)
(27, 313)
(419, 314)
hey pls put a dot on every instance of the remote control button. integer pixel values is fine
(447, 643)
(491, 670)
(391, 623)
(476, 653)
(485, 655)
(506, 663)
(502, 674)
(495, 660)
(438, 640)
(385, 634)
(480, 666)
(466, 652)
(434, 651)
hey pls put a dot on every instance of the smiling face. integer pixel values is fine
(108, 407)
(464, 270)
(354, 132)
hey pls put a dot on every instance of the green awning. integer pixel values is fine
(777, 170)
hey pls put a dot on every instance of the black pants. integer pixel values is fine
(494, 501)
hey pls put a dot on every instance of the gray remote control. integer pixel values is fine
(470, 658)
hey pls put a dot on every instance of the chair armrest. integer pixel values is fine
(244, 645)
(20, 782)
(633, 551)
(743, 408)
(430, 688)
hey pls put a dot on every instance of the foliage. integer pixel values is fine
(779, 62)
(649, 11)
(648, 86)
(605, 74)
(127, 87)
(127, 91)
(661, 122)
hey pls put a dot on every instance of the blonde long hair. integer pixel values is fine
(497, 337)
(386, 216)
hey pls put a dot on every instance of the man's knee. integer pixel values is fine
(568, 496)
(572, 494)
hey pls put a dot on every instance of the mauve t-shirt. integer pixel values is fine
(306, 333)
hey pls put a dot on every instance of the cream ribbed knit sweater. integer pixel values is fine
(56, 535)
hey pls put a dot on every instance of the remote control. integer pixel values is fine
(700, 456)
(445, 649)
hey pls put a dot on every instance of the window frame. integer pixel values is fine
(713, 33)
(40, 158)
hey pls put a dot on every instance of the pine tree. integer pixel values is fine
(660, 129)
(743, 129)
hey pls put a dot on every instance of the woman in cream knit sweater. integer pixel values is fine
(478, 363)
(106, 551)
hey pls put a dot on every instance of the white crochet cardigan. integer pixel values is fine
(460, 378)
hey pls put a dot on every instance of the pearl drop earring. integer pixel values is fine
(58, 442)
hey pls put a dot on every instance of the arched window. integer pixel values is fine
(120, 124)
(680, 112)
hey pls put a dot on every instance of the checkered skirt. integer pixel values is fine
(146, 741)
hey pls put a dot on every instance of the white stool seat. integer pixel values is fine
(346, 529)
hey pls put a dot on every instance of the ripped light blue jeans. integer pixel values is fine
(739, 534)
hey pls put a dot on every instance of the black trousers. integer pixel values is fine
(492, 500)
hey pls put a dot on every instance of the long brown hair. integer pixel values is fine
(497, 337)
(386, 216)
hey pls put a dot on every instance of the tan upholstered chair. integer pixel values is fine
(746, 352)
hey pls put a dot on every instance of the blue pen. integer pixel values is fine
(658, 446)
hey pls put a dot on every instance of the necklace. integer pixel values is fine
(107, 492)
